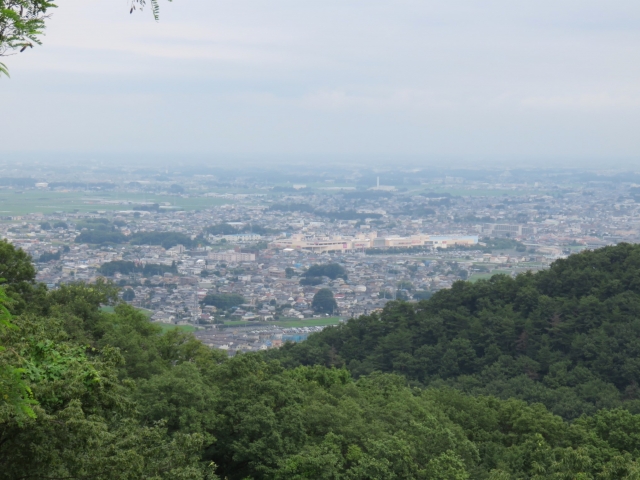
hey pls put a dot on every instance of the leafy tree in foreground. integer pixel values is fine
(15, 395)
(22, 23)
(266, 422)
(64, 410)
(17, 275)
(15, 265)
(90, 394)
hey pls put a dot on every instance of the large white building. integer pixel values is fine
(506, 229)
(231, 256)
(370, 240)
(324, 244)
(243, 238)
(444, 241)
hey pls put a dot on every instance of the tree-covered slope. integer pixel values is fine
(89, 394)
(568, 337)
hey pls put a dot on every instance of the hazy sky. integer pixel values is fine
(437, 80)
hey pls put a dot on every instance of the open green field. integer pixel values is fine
(32, 201)
(288, 322)
(485, 276)
(480, 276)
(311, 322)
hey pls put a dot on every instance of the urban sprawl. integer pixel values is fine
(233, 257)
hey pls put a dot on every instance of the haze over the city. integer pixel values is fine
(426, 82)
(346, 240)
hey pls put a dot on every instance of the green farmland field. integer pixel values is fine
(32, 201)
(311, 322)
(485, 276)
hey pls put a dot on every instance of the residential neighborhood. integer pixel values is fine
(175, 262)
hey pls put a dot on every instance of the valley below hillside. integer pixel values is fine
(507, 378)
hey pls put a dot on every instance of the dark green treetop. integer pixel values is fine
(323, 302)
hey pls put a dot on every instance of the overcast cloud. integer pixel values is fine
(490, 80)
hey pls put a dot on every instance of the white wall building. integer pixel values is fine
(232, 257)
(370, 240)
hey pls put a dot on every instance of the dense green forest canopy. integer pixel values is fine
(223, 301)
(331, 270)
(126, 268)
(89, 394)
(568, 337)
(101, 237)
(314, 275)
(100, 233)
(164, 239)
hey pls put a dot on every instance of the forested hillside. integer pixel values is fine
(568, 337)
(88, 394)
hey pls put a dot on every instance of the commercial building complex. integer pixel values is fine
(371, 240)
(231, 256)
(506, 230)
